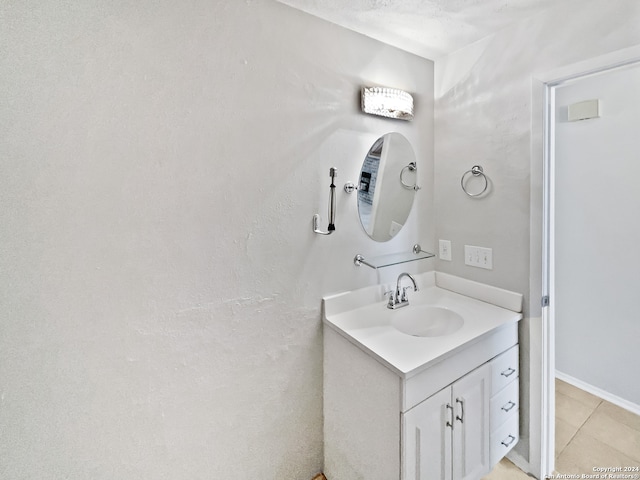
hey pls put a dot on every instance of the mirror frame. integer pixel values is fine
(387, 185)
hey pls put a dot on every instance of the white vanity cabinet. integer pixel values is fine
(447, 435)
(399, 406)
(436, 424)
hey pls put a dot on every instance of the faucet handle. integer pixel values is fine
(391, 302)
(404, 298)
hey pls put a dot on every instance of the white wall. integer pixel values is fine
(160, 284)
(597, 233)
(483, 116)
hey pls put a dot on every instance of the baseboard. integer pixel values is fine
(598, 392)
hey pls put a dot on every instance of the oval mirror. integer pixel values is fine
(387, 186)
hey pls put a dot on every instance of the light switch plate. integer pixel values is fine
(445, 250)
(480, 257)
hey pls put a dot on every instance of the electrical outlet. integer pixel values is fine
(480, 257)
(445, 250)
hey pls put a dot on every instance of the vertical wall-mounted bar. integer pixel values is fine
(332, 200)
(333, 173)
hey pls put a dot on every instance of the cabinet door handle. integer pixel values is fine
(508, 372)
(450, 423)
(461, 417)
(508, 406)
(508, 441)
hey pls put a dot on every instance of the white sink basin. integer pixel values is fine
(437, 323)
(426, 321)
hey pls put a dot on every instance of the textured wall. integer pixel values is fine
(483, 116)
(160, 284)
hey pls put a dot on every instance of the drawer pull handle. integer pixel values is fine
(508, 406)
(509, 442)
(508, 372)
(461, 416)
(450, 423)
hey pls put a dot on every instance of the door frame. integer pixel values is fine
(542, 400)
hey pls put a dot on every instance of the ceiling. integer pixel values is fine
(429, 28)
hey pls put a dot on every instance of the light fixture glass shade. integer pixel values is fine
(387, 102)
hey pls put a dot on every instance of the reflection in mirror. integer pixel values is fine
(388, 183)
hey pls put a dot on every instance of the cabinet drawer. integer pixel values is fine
(504, 404)
(504, 368)
(430, 381)
(504, 439)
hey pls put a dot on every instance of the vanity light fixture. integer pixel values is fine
(387, 102)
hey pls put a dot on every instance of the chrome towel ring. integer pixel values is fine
(476, 171)
(411, 167)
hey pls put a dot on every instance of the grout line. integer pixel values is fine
(591, 414)
(579, 428)
(595, 409)
(602, 401)
(614, 421)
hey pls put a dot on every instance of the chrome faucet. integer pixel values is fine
(397, 300)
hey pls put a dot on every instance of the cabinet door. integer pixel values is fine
(426, 439)
(471, 396)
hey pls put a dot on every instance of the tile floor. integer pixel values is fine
(506, 470)
(590, 432)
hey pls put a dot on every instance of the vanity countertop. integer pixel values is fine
(363, 318)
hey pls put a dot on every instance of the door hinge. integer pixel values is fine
(545, 301)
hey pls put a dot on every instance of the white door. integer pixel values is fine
(471, 396)
(426, 439)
